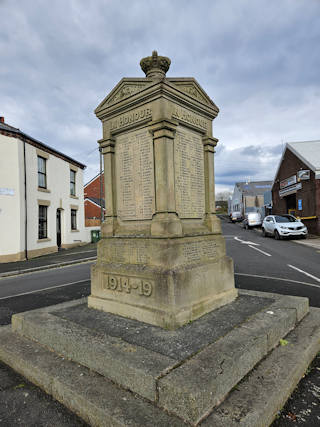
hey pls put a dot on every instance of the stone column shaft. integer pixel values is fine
(211, 220)
(108, 152)
(165, 221)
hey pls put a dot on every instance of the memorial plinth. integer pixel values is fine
(162, 258)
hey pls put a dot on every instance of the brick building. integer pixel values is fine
(93, 199)
(296, 188)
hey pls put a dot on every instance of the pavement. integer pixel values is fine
(62, 258)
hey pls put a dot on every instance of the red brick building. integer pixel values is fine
(296, 188)
(93, 200)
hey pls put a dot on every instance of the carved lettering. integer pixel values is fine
(186, 116)
(135, 175)
(128, 285)
(128, 119)
(189, 174)
(196, 252)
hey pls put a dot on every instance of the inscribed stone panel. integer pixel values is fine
(135, 175)
(189, 174)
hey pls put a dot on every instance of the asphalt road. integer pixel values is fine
(262, 264)
(269, 265)
(43, 288)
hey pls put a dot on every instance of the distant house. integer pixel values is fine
(94, 204)
(41, 197)
(296, 187)
(248, 196)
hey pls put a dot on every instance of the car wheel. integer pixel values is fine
(277, 235)
(303, 237)
(264, 234)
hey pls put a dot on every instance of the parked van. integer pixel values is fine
(252, 219)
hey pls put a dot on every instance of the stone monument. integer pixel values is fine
(162, 263)
(162, 257)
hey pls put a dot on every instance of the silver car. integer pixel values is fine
(281, 226)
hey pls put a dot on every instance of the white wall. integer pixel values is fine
(58, 195)
(88, 231)
(11, 194)
(236, 200)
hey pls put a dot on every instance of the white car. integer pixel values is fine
(281, 226)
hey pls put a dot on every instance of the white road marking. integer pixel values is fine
(277, 278)
(304, 272)
(257, 249)
(245, 242)
(45, 289)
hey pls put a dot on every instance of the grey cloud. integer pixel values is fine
(257, 60)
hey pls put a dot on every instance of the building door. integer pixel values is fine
(291, 203)
(59, 228)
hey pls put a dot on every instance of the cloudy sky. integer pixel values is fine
(259, 61)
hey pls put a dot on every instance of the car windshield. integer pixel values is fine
(285, 218)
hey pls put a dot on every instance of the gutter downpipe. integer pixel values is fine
(25, 203)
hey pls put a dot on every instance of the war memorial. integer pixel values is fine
(165, 338)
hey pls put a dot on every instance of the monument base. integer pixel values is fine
(224, 369)
(164, 282)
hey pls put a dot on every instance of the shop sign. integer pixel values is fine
(300, 204)
(290, 190)
(289, 181)
(303, 175)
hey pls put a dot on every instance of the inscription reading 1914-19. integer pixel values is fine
(135, 175)
(128, 285)
(189, 174)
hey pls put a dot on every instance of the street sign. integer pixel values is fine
(303, 175)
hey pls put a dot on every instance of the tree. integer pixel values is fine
(223, 195)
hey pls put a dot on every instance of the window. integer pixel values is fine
(43, 229)
(42, 173)
(72, 182)
(73, 219)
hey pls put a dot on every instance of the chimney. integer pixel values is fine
(1, 119)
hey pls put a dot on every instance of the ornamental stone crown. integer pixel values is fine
(155, 66)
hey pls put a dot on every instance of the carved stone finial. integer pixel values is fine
(155, 66)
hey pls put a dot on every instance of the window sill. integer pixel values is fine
(74, 231)
(44, 190)
(74, 197)
(47, 239)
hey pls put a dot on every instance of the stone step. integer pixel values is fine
(188, 383)
(257, 399)
(91, 396)
(254, 402)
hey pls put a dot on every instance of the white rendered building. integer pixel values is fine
(41, 197)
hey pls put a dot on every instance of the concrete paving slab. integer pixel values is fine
(258, 398)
